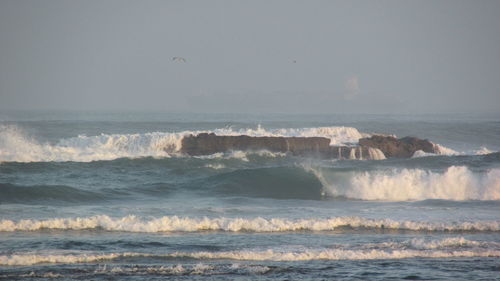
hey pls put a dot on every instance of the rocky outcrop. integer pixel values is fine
(399, 148)
(205, 143)
(319, 147)
(375, 147)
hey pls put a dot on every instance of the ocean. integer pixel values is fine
(108, 196)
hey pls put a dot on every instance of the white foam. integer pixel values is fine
(217, 166)
(29, 259)
(337, 254)
(242, 155)
(15, 145)
(258, 224)
(443, 150)
(451, 242)
(454, 247)
(178, 269)
(421, 153)
(456, 183)
(482, 151)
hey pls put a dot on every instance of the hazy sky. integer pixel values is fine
(251, 56)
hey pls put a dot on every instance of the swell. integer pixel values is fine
(284, 180)
(258, 224)
(272, 182)
(455, 247)
(12, 193)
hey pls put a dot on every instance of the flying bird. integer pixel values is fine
(179, 59)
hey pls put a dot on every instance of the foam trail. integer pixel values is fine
(336, 254)
(259, 224)
(456, 183)
(15, 145)
(29, 259)
(454, 247)
(242, 155)
(269, 255)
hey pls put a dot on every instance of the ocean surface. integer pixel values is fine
(108, 196)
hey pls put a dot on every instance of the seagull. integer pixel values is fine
(179, 59)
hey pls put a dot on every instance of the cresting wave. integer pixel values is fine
(186, 224)
(16, 146)
(455, 247)
(456, 183)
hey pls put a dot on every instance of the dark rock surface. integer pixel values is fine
(206, 144)
(210, 143)
(399, 148)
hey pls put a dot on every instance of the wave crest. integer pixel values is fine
(453, 247)
(186, 224)
(456, 183)
(17, 146)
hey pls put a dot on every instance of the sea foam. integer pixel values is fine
(455, 247)
(187, 224)
(16, 145)
(455, 183)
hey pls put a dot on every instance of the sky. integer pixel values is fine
(261, 56)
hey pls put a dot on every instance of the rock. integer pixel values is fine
(399, 148)
(318, 147)
(204, 144)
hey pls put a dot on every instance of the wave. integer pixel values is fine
(455, 183)
(259, 224)
(457, 247)
(150, 269)
(269, 255)
(17, 146)
(270, 182)
(12, 193)
(301, 181)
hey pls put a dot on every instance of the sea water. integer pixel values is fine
(94, 195)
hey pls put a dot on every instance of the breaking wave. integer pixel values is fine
(456, 183)
(301, 181)
(455, 247)
(17, 146)
(259, 224)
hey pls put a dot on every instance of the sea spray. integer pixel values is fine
(455, 183)
(16, 146)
